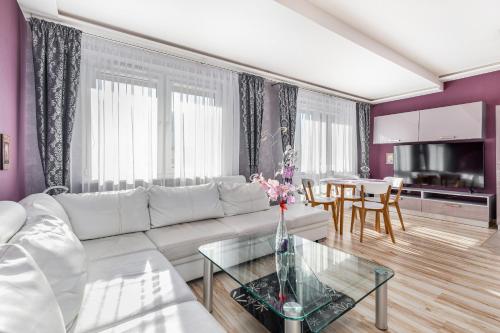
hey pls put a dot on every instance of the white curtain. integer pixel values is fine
(148, 118)
(325, 136)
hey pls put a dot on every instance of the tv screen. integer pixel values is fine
(457, 165)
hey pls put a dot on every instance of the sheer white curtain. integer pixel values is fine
(325, 136)
(147, 118)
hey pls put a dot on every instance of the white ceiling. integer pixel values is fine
(407, 47)
(445, 36)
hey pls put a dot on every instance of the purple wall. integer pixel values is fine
(11, 31)
(485, 87)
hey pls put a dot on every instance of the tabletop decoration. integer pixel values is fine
(282, 193)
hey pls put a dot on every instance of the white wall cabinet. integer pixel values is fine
(456, 122)
(396, 128)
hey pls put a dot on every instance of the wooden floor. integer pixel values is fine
(447, 280)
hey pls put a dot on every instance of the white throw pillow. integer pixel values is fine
(12, 218)
(102, 214)
(60, 256)
(242, 198)
(27, 301)
(43, 204)
(172, 205)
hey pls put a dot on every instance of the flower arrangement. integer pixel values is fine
(282, 193)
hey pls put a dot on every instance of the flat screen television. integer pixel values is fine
(454, 165)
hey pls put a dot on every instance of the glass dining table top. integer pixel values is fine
(311, 282)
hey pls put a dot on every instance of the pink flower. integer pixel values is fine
(274, 190)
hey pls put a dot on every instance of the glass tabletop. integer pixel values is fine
(311, 282)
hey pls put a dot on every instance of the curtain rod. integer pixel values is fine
(81, 23)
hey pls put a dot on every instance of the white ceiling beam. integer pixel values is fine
(319, 16)
(407, 95)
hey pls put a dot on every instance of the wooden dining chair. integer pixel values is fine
(396, 183)
(327, 202)
(394, 201)
(383, 190)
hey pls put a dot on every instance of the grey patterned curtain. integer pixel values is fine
(252, 107)
(56, 60)
(288, 112)
(363, 111)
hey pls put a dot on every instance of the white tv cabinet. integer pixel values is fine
(476, 209)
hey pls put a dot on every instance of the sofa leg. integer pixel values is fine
(208, 276)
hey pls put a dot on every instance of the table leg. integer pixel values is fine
(293, 326)
(208, 275)
(341, 219)
(292, 310)
(381, 301)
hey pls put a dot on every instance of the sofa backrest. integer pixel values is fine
(43, 204)
(103, 214)
(245, 198)
(230, 179)
(12, 217)
(172, 205)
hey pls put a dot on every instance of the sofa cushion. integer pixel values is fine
(12, 218)
(264, 222)
(180, 318)
(43, 204)
(124, 287)
(245, 198)
(182, 240)
(60, 256)
(172, 205)
(117, 245)
(102, 214)
(27, 301)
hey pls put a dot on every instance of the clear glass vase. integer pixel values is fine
(281, 243)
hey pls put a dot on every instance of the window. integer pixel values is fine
(146, 118)
(326, 135)
(123, 132)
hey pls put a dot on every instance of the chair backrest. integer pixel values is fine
(375, 188)
(396, 183)
(381, 189)
(308, 185)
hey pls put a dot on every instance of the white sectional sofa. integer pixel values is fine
(139, 247)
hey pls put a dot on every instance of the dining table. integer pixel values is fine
(349, 183)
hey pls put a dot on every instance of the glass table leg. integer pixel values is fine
(293, 326)
(381, 300)
(208, 275)
(292, 309)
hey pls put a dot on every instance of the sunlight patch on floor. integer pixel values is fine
(458, 241)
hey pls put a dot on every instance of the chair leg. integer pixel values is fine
(377, 221)
(396, 204)
(325, 206)
(353, 217)
(341, 217)
(388, 226)
(334, 216)
(363, 217)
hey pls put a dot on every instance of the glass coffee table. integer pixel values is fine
(311, 284)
